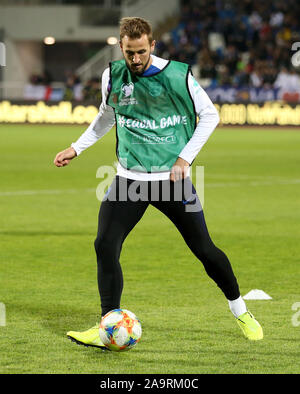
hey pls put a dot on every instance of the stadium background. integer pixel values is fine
(245, 55)
(240, 51)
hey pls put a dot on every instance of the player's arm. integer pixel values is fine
(102, 124)
(63, 158)
(208, 119)
(179, 170)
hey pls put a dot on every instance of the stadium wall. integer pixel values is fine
(155, 11)
(66, 112)
(24, 58)
(30, 23)
(25, 27)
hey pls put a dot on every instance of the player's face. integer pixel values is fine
(137, 53)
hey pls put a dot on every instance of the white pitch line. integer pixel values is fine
(245, 177)
(35, 192)
(206, 184)
(253, 183)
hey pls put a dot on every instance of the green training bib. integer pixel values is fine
(155, 116)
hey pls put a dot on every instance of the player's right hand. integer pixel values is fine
(63, 158)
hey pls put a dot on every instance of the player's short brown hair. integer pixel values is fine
(134, 27)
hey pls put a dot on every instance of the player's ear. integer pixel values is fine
(152, 46)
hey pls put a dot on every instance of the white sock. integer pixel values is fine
(238, 306)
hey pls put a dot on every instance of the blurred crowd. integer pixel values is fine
(228, 43)
(90, 90)
(236, 42)
(72, 89)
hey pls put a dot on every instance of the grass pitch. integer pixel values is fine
(48, 223)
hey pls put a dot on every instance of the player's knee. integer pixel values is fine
(101, 245)
(105, 248)
(205, 251)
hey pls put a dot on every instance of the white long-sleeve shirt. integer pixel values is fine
(105, 120)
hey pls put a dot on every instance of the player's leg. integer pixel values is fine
(188, 217)
(115, 221)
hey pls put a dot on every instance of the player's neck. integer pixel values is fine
(149, 63)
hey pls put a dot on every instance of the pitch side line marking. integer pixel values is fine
(253, 183)
(247, 177)
(207, 185)
(35, 192)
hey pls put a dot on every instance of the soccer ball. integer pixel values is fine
(120, 330)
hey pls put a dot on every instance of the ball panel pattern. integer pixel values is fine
(120, 330)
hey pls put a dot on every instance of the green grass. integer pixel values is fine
(48, 223)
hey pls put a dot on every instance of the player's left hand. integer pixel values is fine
(179, 170)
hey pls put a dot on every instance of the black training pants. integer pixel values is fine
(123, 207)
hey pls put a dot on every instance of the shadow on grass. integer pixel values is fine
(56, 318)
